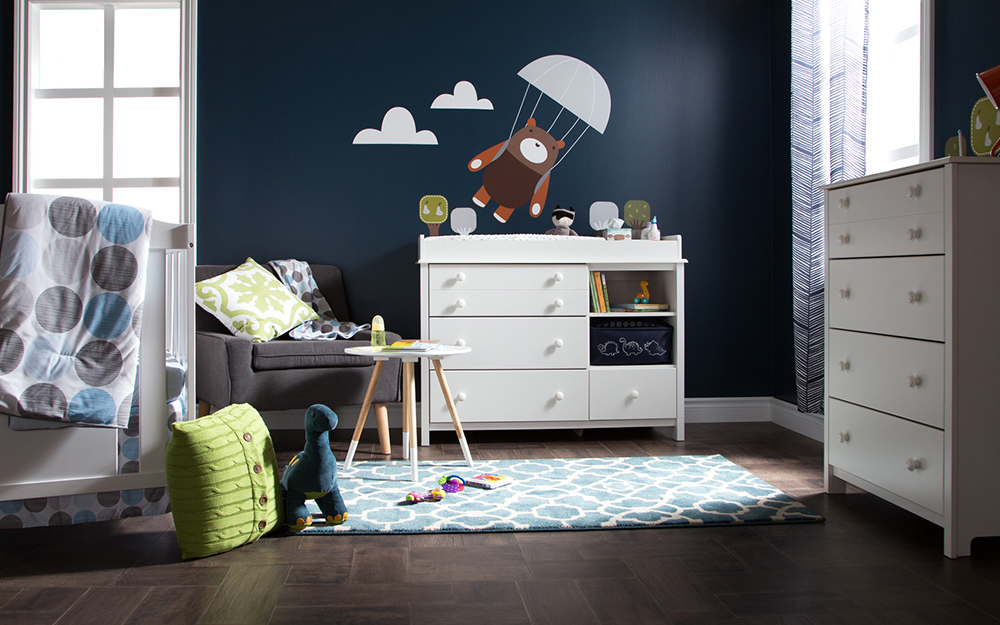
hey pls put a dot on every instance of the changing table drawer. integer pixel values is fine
(512, 396)
(527, 343)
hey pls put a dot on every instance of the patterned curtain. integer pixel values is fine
(829, 71)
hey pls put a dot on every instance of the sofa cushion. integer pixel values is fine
(222, 476)
(252, 303)
(309, 354)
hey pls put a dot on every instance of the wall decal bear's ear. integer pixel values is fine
(398, 128)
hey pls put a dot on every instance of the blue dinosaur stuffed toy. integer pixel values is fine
(312, 474)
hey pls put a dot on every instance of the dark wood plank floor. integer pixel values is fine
(869, 563)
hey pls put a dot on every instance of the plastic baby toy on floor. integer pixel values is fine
(312, 474)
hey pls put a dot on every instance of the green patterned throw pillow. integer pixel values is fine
(222, 476)
(252, 303)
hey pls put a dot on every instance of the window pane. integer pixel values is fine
(165, 202)
(147, 137)
(70, 48)
(147, 51)
(66, 138)
(94, 195)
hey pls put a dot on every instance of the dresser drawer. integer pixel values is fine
(639, 392)
(524, 343)
(512, 303)
(900, 376)
(899, 296)
(507, 277)
(511, 396)
(893, 236)
(910, 194)
(880, 448)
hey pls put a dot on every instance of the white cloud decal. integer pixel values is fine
(465, 97)
(398, 127)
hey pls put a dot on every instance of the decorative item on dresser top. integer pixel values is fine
(523, 301)
(911, 342)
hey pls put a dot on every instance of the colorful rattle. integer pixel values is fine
(452, 483)
(434, 495)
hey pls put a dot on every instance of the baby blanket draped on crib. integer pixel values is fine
(72, 283)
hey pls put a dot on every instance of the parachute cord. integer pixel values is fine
(523, 98)
(563, 138)
(552, 125)
(536, 104)
(566, 153)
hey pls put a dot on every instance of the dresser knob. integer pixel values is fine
(914, 297)
(559, 396)
(912, 191)
(460, 342)
(845, 437)
(844, 239)
(460, 276)
(460, 303)
(845, 365)
(912, 464)
(460, 397)
(558, 303)
(558, 343)
(843, 203)
(913, 234)
(634, 394)
(914, 381)
(845, 293)
(558, 277)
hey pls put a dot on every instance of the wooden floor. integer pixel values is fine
(870, 562)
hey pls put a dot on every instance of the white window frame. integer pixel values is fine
(186, 91)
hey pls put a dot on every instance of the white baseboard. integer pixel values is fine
(696, 410)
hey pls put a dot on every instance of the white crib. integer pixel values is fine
(63, 469)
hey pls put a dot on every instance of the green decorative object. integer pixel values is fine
(637, 215)
(252, 303)
(223, 481)
(985, 127)
(433, 212)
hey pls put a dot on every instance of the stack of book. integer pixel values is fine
(412, 346)
(599, 292)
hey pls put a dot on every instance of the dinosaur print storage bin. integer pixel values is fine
(629, 341)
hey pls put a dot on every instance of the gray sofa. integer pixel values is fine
(284, 374)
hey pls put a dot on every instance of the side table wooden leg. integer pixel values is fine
(366, 404)
(454, 411)
(382, 420)
(410, 389)
(406, 412)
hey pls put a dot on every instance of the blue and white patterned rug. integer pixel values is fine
(563, 494)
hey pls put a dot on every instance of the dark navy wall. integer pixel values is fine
(283, 93)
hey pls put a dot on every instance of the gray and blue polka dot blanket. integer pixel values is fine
(298, 277)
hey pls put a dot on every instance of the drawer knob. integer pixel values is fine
(912, 191)
(843, 203)
(914, 297)
(913, 234)
(845, 437)
(558, 343)
(844, 239)
(845, 365)
(460, 276)
(558, 303)
(460, 397)
(912, 464)
(914, 381)
(845, 293)
(559, 396)
(634, 394)
(460, 303)
(460, 342)
(558, 277)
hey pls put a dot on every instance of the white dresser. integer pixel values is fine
(913, 342)
(523, 305)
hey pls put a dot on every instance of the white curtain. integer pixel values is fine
(829, 63)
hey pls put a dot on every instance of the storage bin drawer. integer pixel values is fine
(524, 343)
(898, 296)
(909, 235)
(512, 303)
(640, 392)
(910, 194)
(884, 450)
(511, 396)
(507, 277)
(899, 376)
(631, 342)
